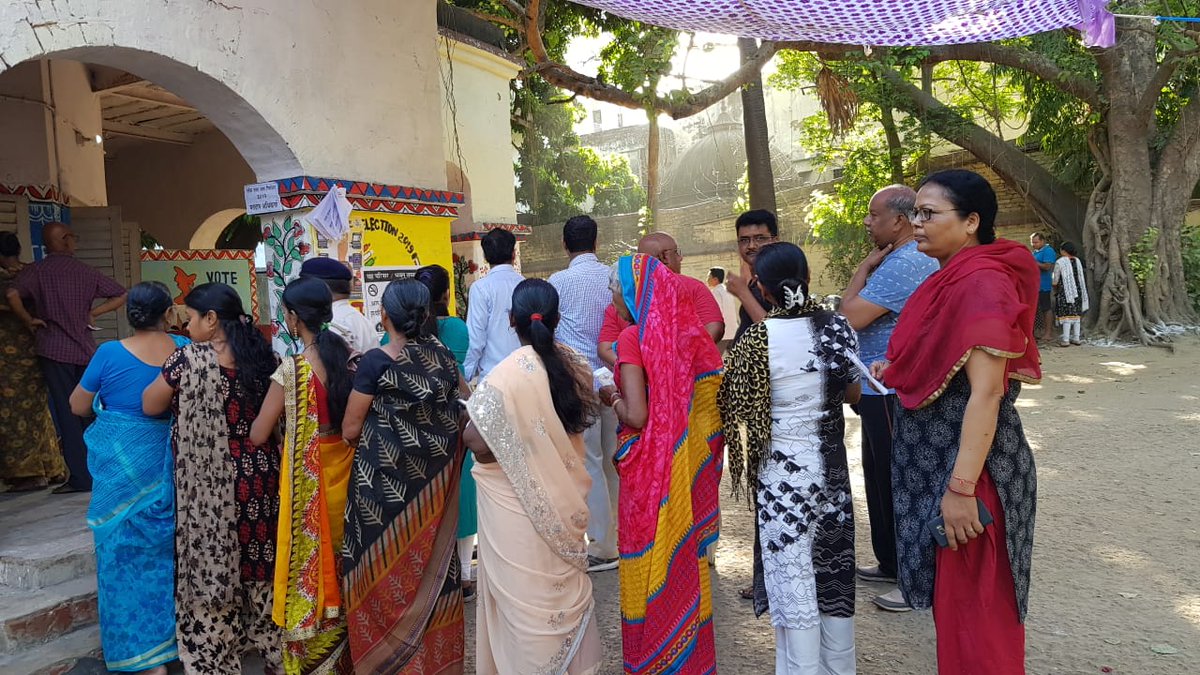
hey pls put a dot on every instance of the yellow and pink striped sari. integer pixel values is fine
(670, 475)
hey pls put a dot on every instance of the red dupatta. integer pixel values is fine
(984, 298)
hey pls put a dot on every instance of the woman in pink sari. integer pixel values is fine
(535, 607)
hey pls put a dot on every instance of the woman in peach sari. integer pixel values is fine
(535, 607)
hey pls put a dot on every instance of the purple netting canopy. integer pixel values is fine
(868, 22)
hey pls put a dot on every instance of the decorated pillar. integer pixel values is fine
(393, 231)
(469, 263)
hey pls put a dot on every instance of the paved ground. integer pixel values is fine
(1116, 584)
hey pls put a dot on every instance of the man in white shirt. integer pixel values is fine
(347, 322)
(728, 304)
(583, 295)
(489, 304)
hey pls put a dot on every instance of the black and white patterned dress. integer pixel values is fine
(923, 455)
(805, 514)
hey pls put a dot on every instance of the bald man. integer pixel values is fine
(662, 246)
(872, 303)
(62, 290)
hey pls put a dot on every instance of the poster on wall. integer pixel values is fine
(393, 244)
(375, 280)
(182, 270)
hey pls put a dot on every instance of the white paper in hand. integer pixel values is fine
(875, 384)
(603, 377)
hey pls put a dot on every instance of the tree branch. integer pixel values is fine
(1170, 65)
(493, 18)
(1049, 196)
(1003, 55)
(561, 75)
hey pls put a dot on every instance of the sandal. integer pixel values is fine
(747, 593)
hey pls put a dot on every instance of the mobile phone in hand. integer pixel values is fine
(937, 526)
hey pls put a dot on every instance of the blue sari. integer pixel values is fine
(132, 517)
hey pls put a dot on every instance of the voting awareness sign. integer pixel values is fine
(182, 270)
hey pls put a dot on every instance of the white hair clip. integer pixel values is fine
(793, 298)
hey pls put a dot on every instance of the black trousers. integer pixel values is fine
(61, 380)
(878, 414)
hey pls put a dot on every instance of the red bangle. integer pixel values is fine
(960, 492)
(963, 482)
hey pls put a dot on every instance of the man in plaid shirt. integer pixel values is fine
(583, 295)
(62, 290)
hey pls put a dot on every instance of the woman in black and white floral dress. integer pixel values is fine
(789, 437)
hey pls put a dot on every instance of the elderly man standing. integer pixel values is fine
(583, 296)
(62, 290)
(872, 303)
(347, 322)
(1045, 256)
(662, 246)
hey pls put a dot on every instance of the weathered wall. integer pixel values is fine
(365, 75)
(169, 190)
(42, 106)
(476, 139)
(80, 161)
(25, 149)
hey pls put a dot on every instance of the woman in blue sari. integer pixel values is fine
(132, 513)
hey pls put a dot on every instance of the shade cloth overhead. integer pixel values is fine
(865, 22)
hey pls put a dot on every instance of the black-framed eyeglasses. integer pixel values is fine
(757, 240)
(924, 214)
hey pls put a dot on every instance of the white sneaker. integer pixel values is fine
(892, 601)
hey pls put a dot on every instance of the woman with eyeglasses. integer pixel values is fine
(960, 351)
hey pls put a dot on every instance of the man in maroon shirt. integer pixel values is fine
(62, 290)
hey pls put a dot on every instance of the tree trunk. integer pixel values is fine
(652, 171)
(759, 173)
(926, 137)
(895, 151)
(1140, 198)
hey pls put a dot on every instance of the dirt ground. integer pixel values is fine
(1116, 571)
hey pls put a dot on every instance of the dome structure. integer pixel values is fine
(712, 167)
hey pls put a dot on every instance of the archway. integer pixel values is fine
(258, 142)
(210, 230)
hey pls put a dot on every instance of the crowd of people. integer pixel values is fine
(336, 508)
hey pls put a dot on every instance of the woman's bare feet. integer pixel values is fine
(160, 670)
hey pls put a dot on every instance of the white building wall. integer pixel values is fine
(475, 119)
(347, 90)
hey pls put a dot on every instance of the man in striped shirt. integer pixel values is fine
(583, 295)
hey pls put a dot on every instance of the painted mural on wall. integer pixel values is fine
(182, 270)
(397, 243)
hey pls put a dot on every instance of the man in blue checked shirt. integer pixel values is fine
(583, 295)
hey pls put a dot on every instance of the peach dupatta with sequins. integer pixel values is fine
(535, 607)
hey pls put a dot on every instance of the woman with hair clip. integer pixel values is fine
(452, 332)
(226, 487)
(403, 598)
(781, 402)
(309, 390)
(535, 612)
(132, 512)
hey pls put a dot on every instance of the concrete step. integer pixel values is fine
(44, 539)
(56, 657)
(30, 618)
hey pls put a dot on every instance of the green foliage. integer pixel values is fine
(836, 218)
(638, 57)
(555, 176)
(1142, 258)
(1191, 263)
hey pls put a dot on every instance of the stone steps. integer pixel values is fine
(48, 614)
(57, 657)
